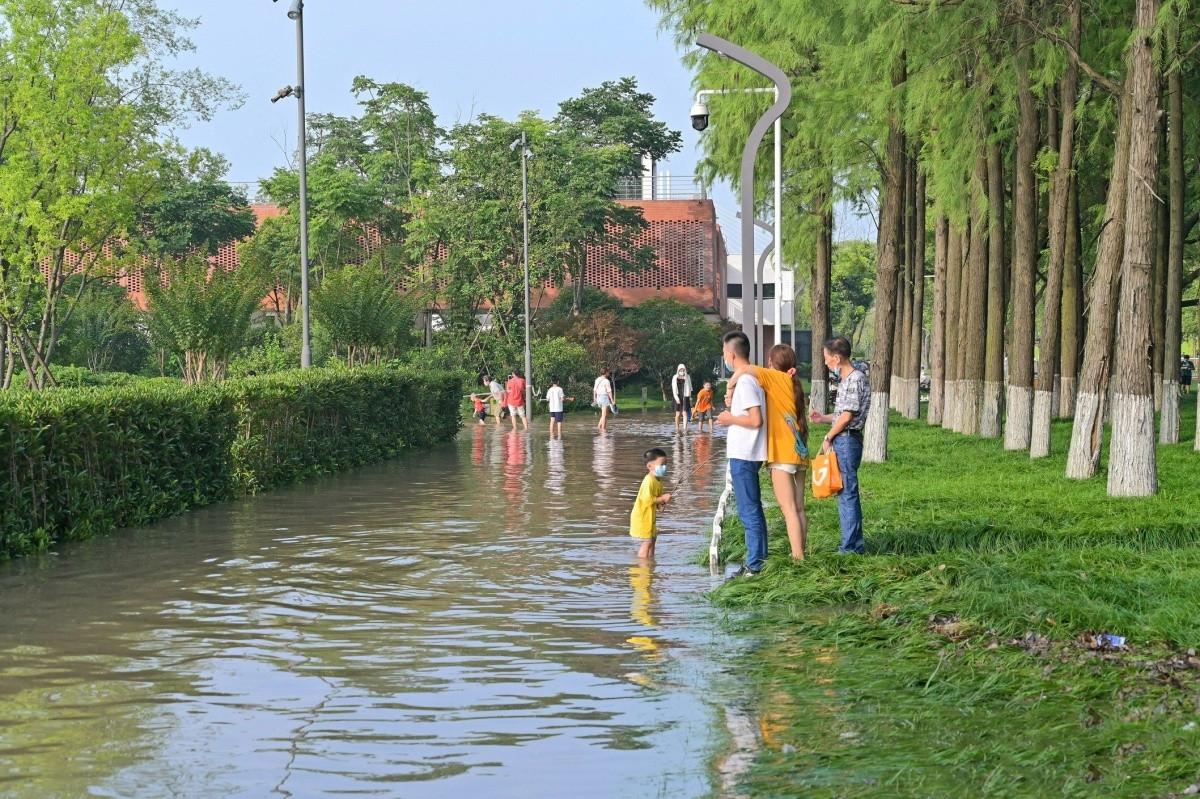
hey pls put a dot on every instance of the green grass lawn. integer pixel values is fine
(957, 658)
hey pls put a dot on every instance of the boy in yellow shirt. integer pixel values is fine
(643, 519)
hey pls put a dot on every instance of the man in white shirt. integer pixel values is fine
(554, 399)
(497, 392)
(602, 395)
(746, 447)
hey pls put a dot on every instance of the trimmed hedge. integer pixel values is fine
(85, 461)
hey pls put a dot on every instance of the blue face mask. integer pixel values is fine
(660, 471)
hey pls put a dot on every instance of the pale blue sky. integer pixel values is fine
(470, 56)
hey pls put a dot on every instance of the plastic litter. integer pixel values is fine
(1110, 640)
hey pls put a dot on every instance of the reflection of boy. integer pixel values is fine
(643, 519)
(703, 411)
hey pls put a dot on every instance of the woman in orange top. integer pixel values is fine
(787, 432)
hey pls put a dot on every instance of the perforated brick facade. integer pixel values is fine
(684, 234)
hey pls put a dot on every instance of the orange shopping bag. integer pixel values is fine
(826, 476)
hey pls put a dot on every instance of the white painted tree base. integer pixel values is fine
(1087, 434)
(1196, 446)
(875, 436)
(949, 404)
(937, 403)
(908, 402)
(818, 398)
(1018, 418)
(989, 414)
(1132, 468)
(1039, 431)
(1168, 420)
(971, 399)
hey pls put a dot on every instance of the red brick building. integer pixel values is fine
(685, 236)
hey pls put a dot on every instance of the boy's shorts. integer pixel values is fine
(517, 410)
(557, 416)
(703, 416)
(481, 415)
(650, 537)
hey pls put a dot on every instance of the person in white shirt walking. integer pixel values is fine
(746, 447)
(681, 390)
(497, 392)
(602, 396)
(554, 401)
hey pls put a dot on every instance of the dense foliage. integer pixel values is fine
(82, 461)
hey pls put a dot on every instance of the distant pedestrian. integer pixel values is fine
(604, 398)
(703, 409)
(746, 447)
(643, 519)
(497, 394)
(681, 390)
(515, 397)
(845, 437)
(1185, 374)
(554, 402)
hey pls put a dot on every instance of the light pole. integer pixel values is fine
(296, 13)
(783, 97)
(525, 156)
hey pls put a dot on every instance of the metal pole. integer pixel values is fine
(306, 333)
(778, 232)
(525, 225)
(782, 99)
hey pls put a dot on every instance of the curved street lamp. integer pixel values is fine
(783, 98)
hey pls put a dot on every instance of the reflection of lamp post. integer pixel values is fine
(783, 97)
(526, 154)
(296, 12)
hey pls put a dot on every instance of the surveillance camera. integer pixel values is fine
(699, 116)
(296, 9)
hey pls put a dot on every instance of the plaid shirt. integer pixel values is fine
(854, 395)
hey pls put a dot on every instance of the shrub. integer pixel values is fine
(562, 358)
(82, 461)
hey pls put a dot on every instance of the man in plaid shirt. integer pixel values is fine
(845, 437)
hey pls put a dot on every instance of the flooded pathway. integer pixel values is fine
(469, 621)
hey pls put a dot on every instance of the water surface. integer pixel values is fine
(470, 621)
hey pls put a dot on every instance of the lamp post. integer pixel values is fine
(783, 97)
(525, 155)
(296, 13)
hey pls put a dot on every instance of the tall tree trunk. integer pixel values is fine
(953, 324)
(900, 375)
(1072, 308)
(937, 344)
(993, 376)
(911, 401)
(958, 414)
(1043, 395)
(1091, 403)
(1132, 470)
(821, 279)
(975, 291)
(1024, 266)
(1168, 432)
(1158, 276)
(887, 265)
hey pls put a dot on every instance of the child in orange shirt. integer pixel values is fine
(703, 409)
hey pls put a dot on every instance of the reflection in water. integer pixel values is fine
(459, 621)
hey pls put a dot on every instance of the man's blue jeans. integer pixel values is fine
(750, 510)
(849, 451)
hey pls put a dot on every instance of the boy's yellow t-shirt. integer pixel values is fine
(781, 402)
(643, 519)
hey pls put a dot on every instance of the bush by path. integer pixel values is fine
(84, 461)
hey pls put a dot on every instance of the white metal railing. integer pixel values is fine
(661, 187)
(714, 543)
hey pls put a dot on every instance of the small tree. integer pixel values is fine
(365, 314)
(673, 333)
(610, 343)
(103, 332)
(202, 314)
(562, 358)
